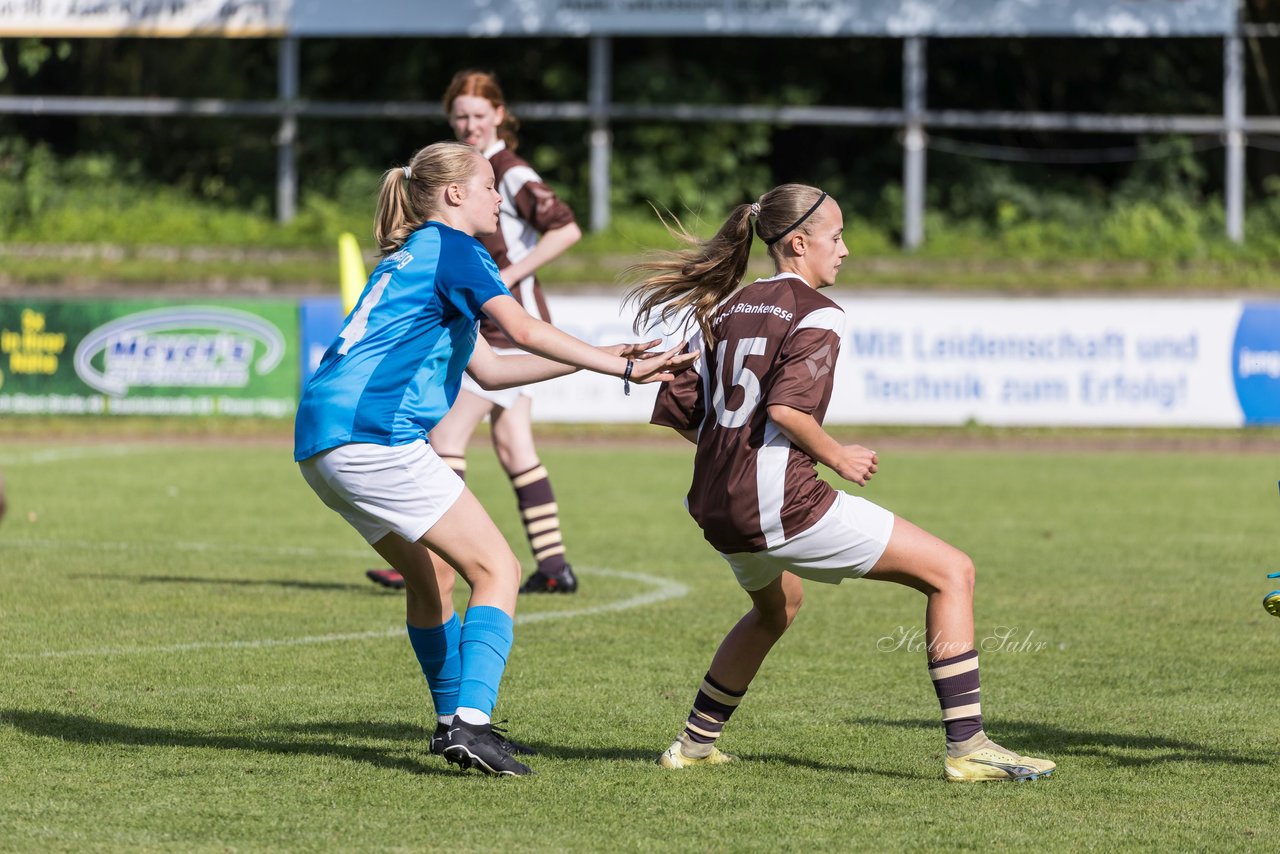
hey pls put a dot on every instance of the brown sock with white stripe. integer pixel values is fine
(955, 680)
(458, 464)
(711, 710)
(541, 519)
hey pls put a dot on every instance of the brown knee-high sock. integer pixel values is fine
(712, 708)
(541, 519)
(956, 682)
(458, 464)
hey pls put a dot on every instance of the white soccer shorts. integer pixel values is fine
(378, 489)
(845, 543)
(507, 397)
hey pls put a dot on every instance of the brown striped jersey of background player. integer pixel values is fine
(535, 227)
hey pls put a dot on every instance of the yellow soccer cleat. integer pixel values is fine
(991, 763)
(1272, 603)
(675, 758)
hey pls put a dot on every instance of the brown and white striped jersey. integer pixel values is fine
(529, 209)
(776, 342)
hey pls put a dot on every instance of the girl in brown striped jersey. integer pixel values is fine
(755, 408)
(535, 227)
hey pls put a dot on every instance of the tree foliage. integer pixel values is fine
(700, 166)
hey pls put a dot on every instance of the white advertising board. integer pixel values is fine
(1121, 18)
(1048, 362)
(344, 19)
(159, 18)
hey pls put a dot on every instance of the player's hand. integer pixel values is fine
(663, 367)
(856, 464)
(633, 351)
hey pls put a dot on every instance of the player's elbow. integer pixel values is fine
(524, 332)
(784, 416)
(572, 234)
(483, 375)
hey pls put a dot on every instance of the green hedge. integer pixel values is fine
(992, 219)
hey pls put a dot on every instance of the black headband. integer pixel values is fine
(769, 241)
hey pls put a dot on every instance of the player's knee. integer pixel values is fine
(500, 569)
(445, 581)
(777, 620)
(961, 574)
(514, 455)
(793, 608)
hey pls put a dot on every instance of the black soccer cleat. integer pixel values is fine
(513, 747)
(565, 582)
(385, 577)
(477, 746)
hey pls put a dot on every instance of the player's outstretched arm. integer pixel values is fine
(854, 463)
(493, 371)
(543, 339)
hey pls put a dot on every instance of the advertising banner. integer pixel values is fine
(1026, 362)
(148, 357)
(925, 360)
(170, 18)
(680, 18)
(320, 321)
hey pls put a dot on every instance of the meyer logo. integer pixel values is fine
(192, 346)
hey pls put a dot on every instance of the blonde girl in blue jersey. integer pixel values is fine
(393, 372)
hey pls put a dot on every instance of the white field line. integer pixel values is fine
(663, 590)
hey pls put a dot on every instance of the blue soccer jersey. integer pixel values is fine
(395, 368)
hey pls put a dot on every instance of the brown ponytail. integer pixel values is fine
(690, 284)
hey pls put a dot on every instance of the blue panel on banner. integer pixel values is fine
(320, 321)
(1256, 363)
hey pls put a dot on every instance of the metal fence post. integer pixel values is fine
(1233, 116)
(913, 143)
(286, 170)
(601, 137)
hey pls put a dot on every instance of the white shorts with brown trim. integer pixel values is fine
(845, 543)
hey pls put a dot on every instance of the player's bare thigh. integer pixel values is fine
(468, 540)
(451, 435)
(429, 580)
(918, 559)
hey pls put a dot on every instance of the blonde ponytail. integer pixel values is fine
(406, 202)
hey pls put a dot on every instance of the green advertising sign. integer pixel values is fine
(148, 357)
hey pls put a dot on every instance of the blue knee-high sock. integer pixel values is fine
(438, 651)
(486, 641)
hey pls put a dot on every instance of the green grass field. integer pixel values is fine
(192, 660)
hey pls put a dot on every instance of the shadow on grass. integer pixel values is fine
(85, 730)
(391, 730)
(234, 582)
(1052, 742)
(649, 755)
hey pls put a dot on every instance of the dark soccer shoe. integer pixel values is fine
(385, 577)
(476, 746)
(515, 747)
(565, 582)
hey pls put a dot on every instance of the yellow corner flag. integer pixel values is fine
(351, 274)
